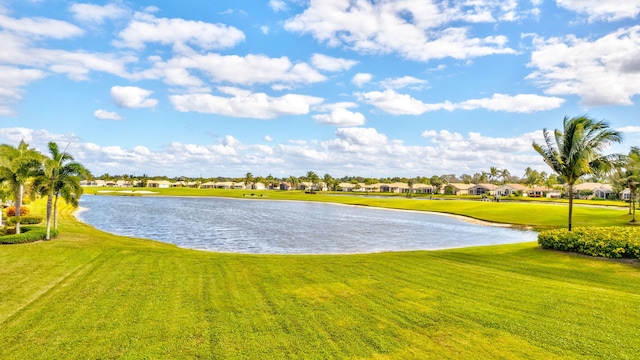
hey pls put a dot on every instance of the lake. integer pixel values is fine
(260, 226)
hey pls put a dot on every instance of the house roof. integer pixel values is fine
(591, 186)
(518, 187)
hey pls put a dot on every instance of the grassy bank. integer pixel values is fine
(89, 294)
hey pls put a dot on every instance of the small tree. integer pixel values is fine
(576, 150)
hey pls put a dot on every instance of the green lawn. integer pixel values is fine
(90, 295)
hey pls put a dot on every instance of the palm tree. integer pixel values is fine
(328, 181)
(17, 165)
(505, 175)
(59, 177)
(313, 178)
(248, 179)
(577, 150)
(629, 177)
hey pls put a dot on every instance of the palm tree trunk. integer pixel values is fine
(633, 204)
(49, 199)
(18, 206)
(570, 204)
(55, 213)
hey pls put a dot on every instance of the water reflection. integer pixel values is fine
(284, 227)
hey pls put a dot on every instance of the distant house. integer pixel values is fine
(596, 189)
(348, 187)
(258, 186)
(396, 187)
(123, 183)
(422, 188)
(88, 183)
(160, 184)
(543, 191)
(286, 186)
(625, 194)
(509, 189)
(224, 185)
(604, 191)
(482, 189)
(208, 185)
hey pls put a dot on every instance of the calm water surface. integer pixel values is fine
(284, 227)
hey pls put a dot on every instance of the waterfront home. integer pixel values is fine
(509, 189)
(160, 184)
(481, 189)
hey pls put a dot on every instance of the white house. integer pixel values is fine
(509, 189)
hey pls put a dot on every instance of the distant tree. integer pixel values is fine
(328, 181)
(313, 178)
(576, 150)
(248, 180)
(436, 182)
(505, 175)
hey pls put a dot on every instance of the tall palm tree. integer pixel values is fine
(17, 165)
(59, 177)
(313, 178)
(505, 175)
(576, 150)
(629, 177)
(248, 180)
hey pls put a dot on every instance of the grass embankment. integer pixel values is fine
(89, 294)
(538, 214)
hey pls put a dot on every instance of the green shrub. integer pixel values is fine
(28, 234)
(611, 242)
(25, 220)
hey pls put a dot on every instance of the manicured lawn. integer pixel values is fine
(91, 295)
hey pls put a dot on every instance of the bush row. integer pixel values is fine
(28, 234)
(24, 220)
(610, 242)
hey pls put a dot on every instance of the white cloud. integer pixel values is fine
(405, 27)
(75, 64)
(521, 103)
(340, 117)
(146, 28)
(277, 5)
(40, 27)
(268, 138)
(241, 70)
(97, 14)
(630, 129)
(603, 10)
(403, 104)
(132, 97)
(265, 29)
(12, 82)
(361, 78)
(361, 136)
(245, 104)
(400, 104)
(402, 82)
(328, 63)
(102, 114)
(605, 71)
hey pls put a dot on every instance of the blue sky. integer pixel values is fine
(375, 89)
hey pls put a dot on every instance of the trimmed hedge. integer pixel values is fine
(28, 234)
(610, 242)
(24, 220)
